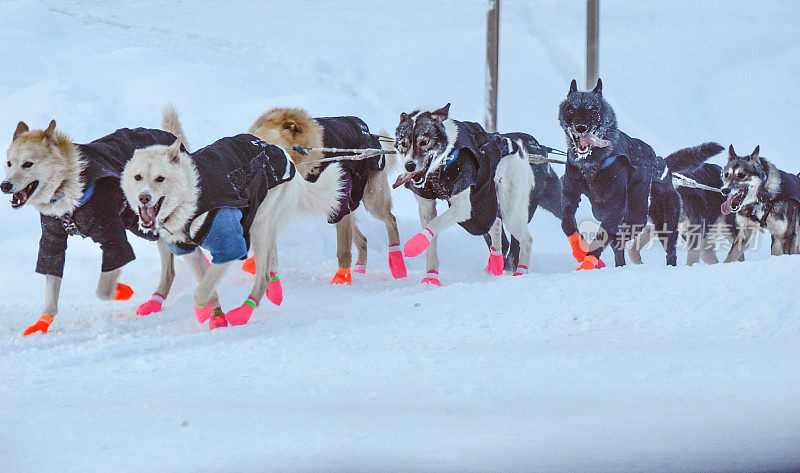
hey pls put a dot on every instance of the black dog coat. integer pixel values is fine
(351, 133)
(102, 213)
(470, 164)
(235, 173)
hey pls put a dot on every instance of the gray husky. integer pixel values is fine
(761, 196)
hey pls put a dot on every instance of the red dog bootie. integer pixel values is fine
(249, 265)
(123, 292)
(590, 262)
(495, 262)
(396, 262)
(274, 289)
(432, 278)
(41, 325)
(151, 306)
(418, 243)
(342, 276)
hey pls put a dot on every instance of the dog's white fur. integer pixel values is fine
(179, 189)
(514, 181)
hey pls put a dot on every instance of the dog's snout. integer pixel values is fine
(581, 128)
(6, 187)
(410, 166)
(145, 198)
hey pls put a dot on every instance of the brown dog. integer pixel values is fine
(363, 179)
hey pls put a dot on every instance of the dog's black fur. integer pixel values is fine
(619, 177)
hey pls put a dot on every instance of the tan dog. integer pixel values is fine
(365, 180)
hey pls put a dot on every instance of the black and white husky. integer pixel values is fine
(484, 177)
(235, 193)
(761, 196)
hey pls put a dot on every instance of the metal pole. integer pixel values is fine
(492, 52)
(592, 42)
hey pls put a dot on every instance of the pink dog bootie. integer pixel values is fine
(418, 243)
(203, 313)
(432, 278)
(241, 315)
(275, 290)
(495, 262)
(521, 269)
(217, 320)
(360, 268)
(396, 262)
(151, 306)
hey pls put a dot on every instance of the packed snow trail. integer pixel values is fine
(640, 368)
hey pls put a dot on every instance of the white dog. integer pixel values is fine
(233, 193)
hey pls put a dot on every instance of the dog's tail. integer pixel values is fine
(171, 123)
(689, 159)
(321, 197)
(391, 159)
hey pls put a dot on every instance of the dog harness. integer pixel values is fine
(235, 175)
(471, 163)
(102, 213)
(350, 133)
(789, 190)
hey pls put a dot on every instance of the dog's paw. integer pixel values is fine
(590, 262)
(241, 315)
(41, 325)
(521, 270)
(432, 278)
(342, 276)
(397, 264)
(249, 265)
(417, 244)
(360, 268)
(152, 305)
(203, 313)
(275, 290)
(496, 263)
(217, 321)
(123, 292)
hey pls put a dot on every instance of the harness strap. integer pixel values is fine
(685, 181)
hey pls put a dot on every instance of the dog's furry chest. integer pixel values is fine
(776, 221)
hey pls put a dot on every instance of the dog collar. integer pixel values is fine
(450, 158)
(606, 163)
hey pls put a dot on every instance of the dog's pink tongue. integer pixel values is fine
(593, 140)
(727, 207)
(403, 178)
(148, 215)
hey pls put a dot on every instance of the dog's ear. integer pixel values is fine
(403, 116)
(441, 114)
(291, 126)
(731, 153)
(173, 151)
(21, 128)
(50, 129)
(573, 87)
(754, 154)
(598, 89)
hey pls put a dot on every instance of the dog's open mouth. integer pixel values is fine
(19, 198)
(733, 202)
(585, 141)
(416, 177)
(148, 214)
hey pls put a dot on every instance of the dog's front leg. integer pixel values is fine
(165, 280)
(639, 242)
(206, 290)
(51, 292)
(108, 288)
(427, 212)
(746, 233)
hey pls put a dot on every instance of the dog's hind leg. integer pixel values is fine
(709, 252)
(378, 202)
(197, 264)
(360, 242)
(208, 285)
(639, 242)
(344, 255)
(741, 241)
(107, 284)
(51, 293)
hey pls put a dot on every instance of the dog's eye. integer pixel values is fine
(137, 177)
(26, 164)
(726, 174)
(423, 143)
(8, 163)
(159, 179)
(740, 175)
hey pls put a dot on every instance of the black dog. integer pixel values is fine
(622, 177)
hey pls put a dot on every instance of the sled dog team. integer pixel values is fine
(233, 197)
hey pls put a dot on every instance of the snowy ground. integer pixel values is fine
(643, 368)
